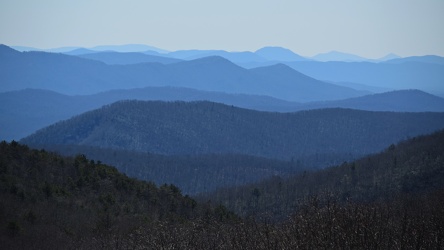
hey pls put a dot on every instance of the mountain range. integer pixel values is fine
(73, 75)
(391, 72)
(270, 53)
(116, 48)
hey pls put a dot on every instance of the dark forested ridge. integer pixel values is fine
(206, 127)
(412, 167)
(24, 112)
(52, 202)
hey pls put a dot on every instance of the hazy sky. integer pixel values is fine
(370, 28)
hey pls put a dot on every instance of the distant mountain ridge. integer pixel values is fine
(113, 58)
(409, 75)
(270, 53)
(390, 72)
(399, 101)
(273, 54)
(128, 48)
(338, 56)
(421, 59)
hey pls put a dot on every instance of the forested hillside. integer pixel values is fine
(51, 202)
(410, 168)
(192, 174)
(180, 128)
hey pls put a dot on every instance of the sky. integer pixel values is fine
(368, 28)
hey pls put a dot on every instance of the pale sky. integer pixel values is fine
(369, 28)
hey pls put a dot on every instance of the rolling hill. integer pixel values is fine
(206, 127)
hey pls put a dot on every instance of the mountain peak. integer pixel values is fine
(279, 54)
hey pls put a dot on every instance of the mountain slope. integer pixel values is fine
(205, 127)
